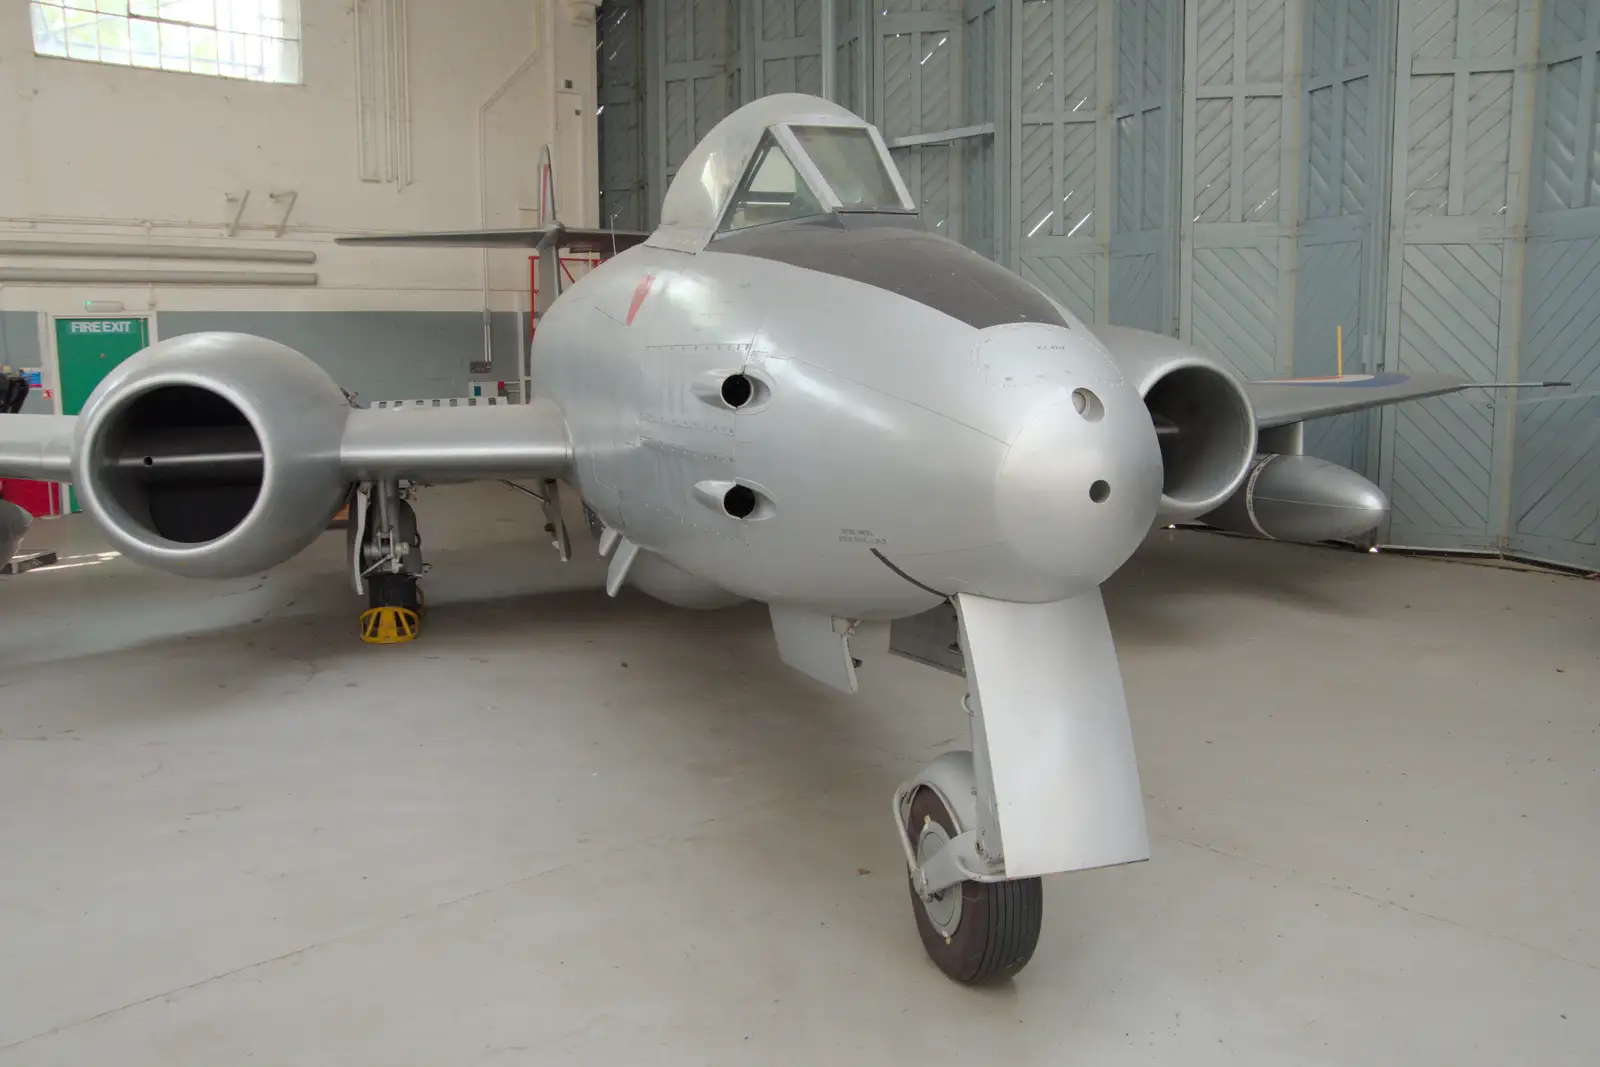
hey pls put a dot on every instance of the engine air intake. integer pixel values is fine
(182, 462)
(1207, 437)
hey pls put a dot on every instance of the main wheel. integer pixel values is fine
(977, 932)
(394, 591)
(394, 614)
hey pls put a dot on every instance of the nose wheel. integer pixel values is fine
(1050, 785)
(977, 933)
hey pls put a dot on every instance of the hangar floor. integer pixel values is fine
(565, 829)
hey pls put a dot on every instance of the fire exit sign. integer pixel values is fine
(127, 326)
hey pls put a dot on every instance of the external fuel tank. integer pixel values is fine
(1301, 498)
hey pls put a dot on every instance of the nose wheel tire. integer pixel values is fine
(977, 933)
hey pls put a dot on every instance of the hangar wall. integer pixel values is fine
(437, 126)
(1259, 177)
(1459, 208)
(1555, 483)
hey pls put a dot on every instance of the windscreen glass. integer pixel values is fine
(848, 159)
(771, 191)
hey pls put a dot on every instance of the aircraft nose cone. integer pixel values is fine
(1079, 488)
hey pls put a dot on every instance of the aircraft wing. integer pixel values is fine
(578, 240)
(37, 447)
(1281, 402)
(426, 443)
(416, 442)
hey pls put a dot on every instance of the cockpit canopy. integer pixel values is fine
(779, 158)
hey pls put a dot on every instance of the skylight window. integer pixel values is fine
(257, 40)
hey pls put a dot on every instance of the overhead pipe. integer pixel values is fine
(129, 276)
(400, 90)
(101, 250)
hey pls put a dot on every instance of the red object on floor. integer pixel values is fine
(36, 498)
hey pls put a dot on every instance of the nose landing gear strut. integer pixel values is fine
(386, 557)
(1050, 784)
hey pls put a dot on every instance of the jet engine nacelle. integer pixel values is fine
(212, 455)
(1202, 415)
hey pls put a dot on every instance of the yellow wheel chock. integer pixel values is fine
(389, 625)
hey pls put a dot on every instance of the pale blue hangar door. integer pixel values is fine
(1296, 186)
(928, 72)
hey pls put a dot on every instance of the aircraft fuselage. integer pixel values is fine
(827, 425)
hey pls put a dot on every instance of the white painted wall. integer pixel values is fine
(137, 155)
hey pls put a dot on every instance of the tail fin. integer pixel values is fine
(548, 242)
(549, 238)
(550, 233)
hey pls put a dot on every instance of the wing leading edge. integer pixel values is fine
(37, 447)
(1282, 402)
(418, 443)
(456, 443)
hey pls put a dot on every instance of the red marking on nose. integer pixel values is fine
(640, 291)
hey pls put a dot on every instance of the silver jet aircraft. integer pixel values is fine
(789, 393)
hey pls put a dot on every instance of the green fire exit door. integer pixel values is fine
(87, 349)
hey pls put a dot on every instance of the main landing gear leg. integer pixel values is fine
(388, 563)
(1049, 785)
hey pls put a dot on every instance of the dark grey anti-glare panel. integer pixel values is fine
(917, 265)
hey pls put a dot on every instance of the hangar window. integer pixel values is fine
(258, 40)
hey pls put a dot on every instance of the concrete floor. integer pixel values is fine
(565, 829)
